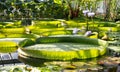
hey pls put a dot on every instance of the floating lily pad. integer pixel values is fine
(64, 48)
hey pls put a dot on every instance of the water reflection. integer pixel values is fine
(73, 65)
(99, 64)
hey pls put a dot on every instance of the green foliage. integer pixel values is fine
(26, 22)
(26, 42)
(51, 8)
(45, 10)
(31, 9)
(58, 1)
(112, 7)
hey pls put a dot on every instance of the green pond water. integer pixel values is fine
(61, 65)
(69, 66)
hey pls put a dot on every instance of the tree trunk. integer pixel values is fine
(107, 9)
(73, 13)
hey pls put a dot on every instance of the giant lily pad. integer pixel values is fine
(9, 44)
(65, 47)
